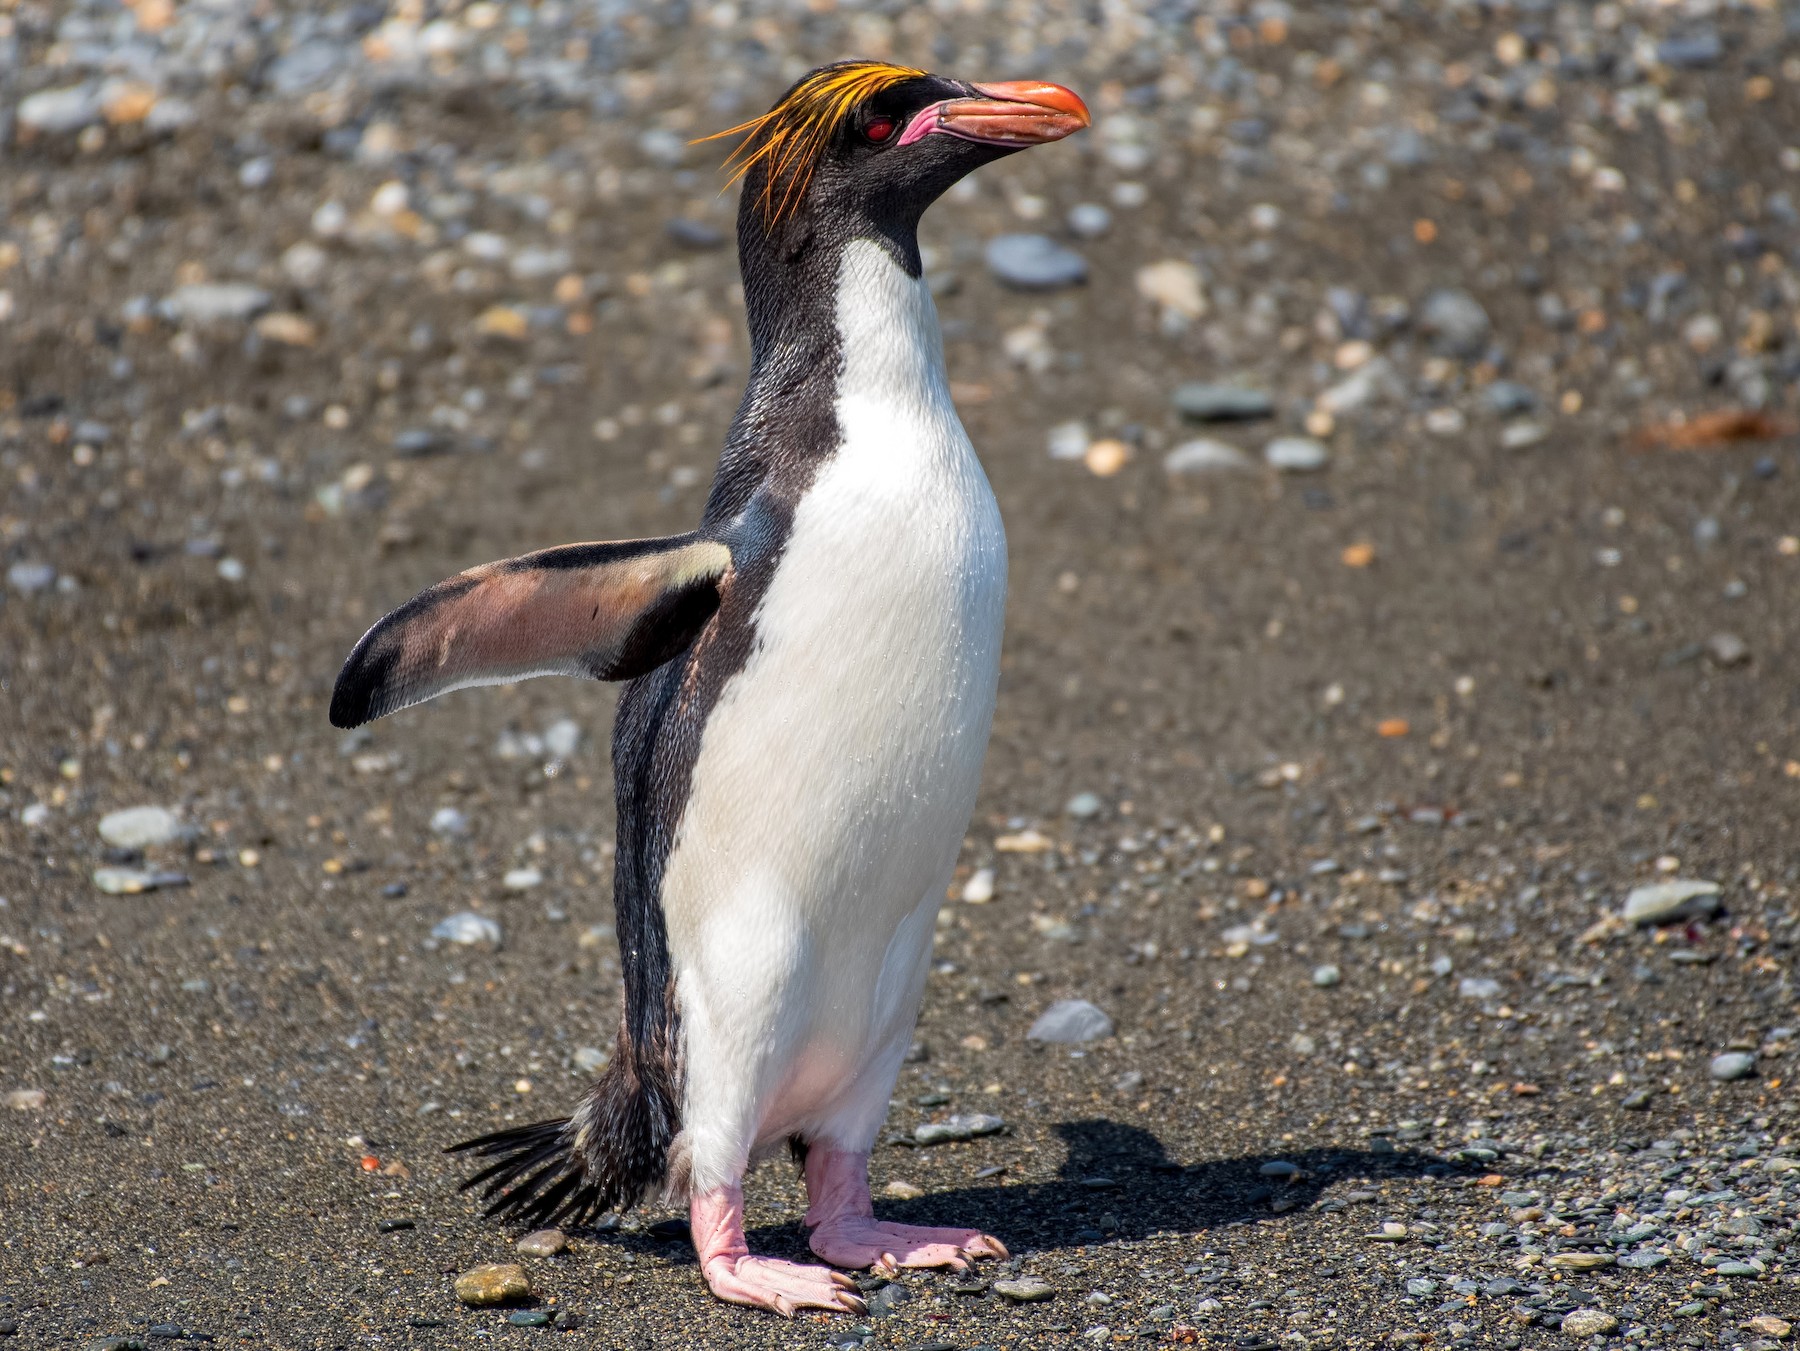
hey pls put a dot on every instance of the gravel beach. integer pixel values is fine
(1379, 926)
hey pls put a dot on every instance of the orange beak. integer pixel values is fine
(1017, 113)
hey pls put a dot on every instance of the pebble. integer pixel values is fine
(1084, 806)
(449, 823)
(1279, 1168)
(1089, 220)
(528, 1318)
(591, 1059)
(962, 1126)
(1391, 1231)
(562, 738)
(468, 929)
(1663, 902)
(1768, 1325)
(28, 577)
(1205, 402)
(26, 1099)
(135, 881)
(1727, 650)
(1070, 1021)
(1068, 440)
(899, 1189)
(1034, 262)
(522, 879)
(140, 827)
(1025, 1290)
(1175, 286)
(1589, 1323)
(1456, 321)
(57, 112)
(1579, 1261)
(543, 1243)
(1732, 1065)
(493, 1283)
(1204, 456)
(1508, 398)
(214, 302)
(1478, 987)
(979, 889)
(1296, 454)
(1326, 976)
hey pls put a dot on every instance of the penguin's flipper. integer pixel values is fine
(606, 611)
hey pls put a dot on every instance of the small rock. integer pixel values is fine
(135, 881)
(1768, 1325)
(959, 1127)
(28, 577)
(1732, 1065)
(140, 827)
(1175, 286)
(1084, 805)
(543, 1243)
(1509, 398)
(1204, 456)
(1694, 50)
(1589, 1323)
(1068, 440)
(1025, 1290)
(979, 889)
(1326, 976)
(1727, 650)
(1279, 1168)
(1089, 220)
(529, 1318)
(562, 738)
(1034, 262)
(467, 928)
(215, 302)
(1478, 987)
(1456, 320)
(522, 879)
(1296, 454)
(1522, 435)
(60, 111)
(412, 443)
(1070, 1020)
(1392, 1231)
(26, 1099)
(493, 1283)
(449, 822)
(1662, 902)
(899, 1189)
(591, 1059)
(1221, 403)
(1580, 1261)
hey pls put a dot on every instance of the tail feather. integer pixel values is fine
(572, 1170)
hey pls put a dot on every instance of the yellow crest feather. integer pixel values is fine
(789, 139)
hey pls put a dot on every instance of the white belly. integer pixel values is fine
(837, 772)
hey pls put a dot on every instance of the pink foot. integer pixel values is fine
(717, 1219)
(847, 1234)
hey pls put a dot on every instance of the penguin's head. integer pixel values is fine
(871, 140)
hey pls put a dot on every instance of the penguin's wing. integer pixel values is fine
(607, 611)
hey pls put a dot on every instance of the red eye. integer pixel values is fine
(879, 128)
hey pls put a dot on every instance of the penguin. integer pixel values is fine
(810, 683)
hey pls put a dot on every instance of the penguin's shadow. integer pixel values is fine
(1118, 1182)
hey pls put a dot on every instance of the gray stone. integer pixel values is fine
(140, 827)
(134, 881)
(1084, 805)
(1089, 220)
(28, 577)
(467, 928)
(59, 111)
(1296, 454)
(1727, 650)
(1279, 1168)
(1478, 987)
(1034, 262)
(543, 1243)
(1666, 902)
(1509, 398)
(1221, 403)
(962, 1126)
(1070, 1020)
(1456, 321)
(562, 738)
(1693, 50)
(307, 67)
(1732, 1065)
(591, 1059)
(1406, 148)
(449, 822)
(1204, 456)
(1326, 976)
(1025, 1290)
(214, 302)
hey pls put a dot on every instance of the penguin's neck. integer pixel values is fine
(810, 288)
